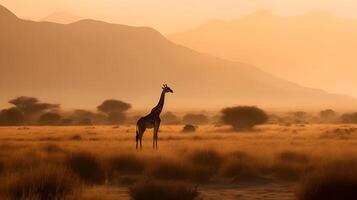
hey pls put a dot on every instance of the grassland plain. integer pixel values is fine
(101, 162)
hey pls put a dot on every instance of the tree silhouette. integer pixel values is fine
(30, 106)
(243, 117)
(115, 110)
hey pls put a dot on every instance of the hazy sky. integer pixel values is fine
(172, 15)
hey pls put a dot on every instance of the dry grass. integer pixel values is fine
(331, 181)
(41, 183)
(163, 190)
(87, 166)
(209, 156)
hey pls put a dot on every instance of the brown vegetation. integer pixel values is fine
(243, 117)
(189, 128)
(41, 183)
(102, 157)
(160, 190)
(87, 166)
(196, 119)
(331, 181)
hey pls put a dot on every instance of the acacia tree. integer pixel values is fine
(170, 118)
(243, 117)
(191, 118)
(32, 107)
(50, 118)
(115, 110)
(328, 115)
(11, 116)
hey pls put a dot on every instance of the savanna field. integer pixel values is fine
(292, 162)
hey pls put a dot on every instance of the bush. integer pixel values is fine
(87, 167)
(291, 156)
(160, 190)
(113, 105)
(195, 119)
(50, 119)
(169, 170)
(240, 166)
(243, 117)
(31, 107)
(327, 115)
(126, 163)
(66, 121)
(333, 181)
(85, 122)
(349, 118)
(116, 118)
(115, 110)
(11, 116)
(290, 165)
(170, 118)
(43, 183)
(189, 128)
(206, 163)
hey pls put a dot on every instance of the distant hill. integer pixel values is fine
(61, 18)
(316, 49)
(83, 63)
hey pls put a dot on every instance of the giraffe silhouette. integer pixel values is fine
(152, 120)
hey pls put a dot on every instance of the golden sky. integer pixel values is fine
(172, 15)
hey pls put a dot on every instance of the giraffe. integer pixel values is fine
(152, 120)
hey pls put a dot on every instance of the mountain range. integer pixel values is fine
(316, 49)
(82, 63)
(61, 18)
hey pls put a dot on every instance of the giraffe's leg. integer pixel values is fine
(137, 138)
(156, 131)
(141, 133)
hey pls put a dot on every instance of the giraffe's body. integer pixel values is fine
(151, 120)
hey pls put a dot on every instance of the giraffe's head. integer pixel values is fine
(167, 89)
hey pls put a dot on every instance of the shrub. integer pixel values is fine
(170, 118)
(87, 167)
(66, 121)
(126, 163)
(83, 117)
(85, 122)
(332, 181)
(42, 183)
(160, 190)
(349, 118)
(206, 163)
(240, 166)
(189, 128)
(11, 116)
(195, 119)
(113, 105)
(50, 119)
(243, 117)
(291, 156)
(115, 110)
(327, 115)
(206, 157)
(169, 170)
(52, 148)
(116, 118)
(76, 137)
(290, 165)
(31, 106)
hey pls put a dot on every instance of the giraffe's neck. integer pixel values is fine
(158, 108)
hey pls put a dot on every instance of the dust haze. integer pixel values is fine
(179, 100)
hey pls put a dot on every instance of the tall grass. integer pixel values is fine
(331, 181)
(41, 183)
(163, 190)
(87, 166)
